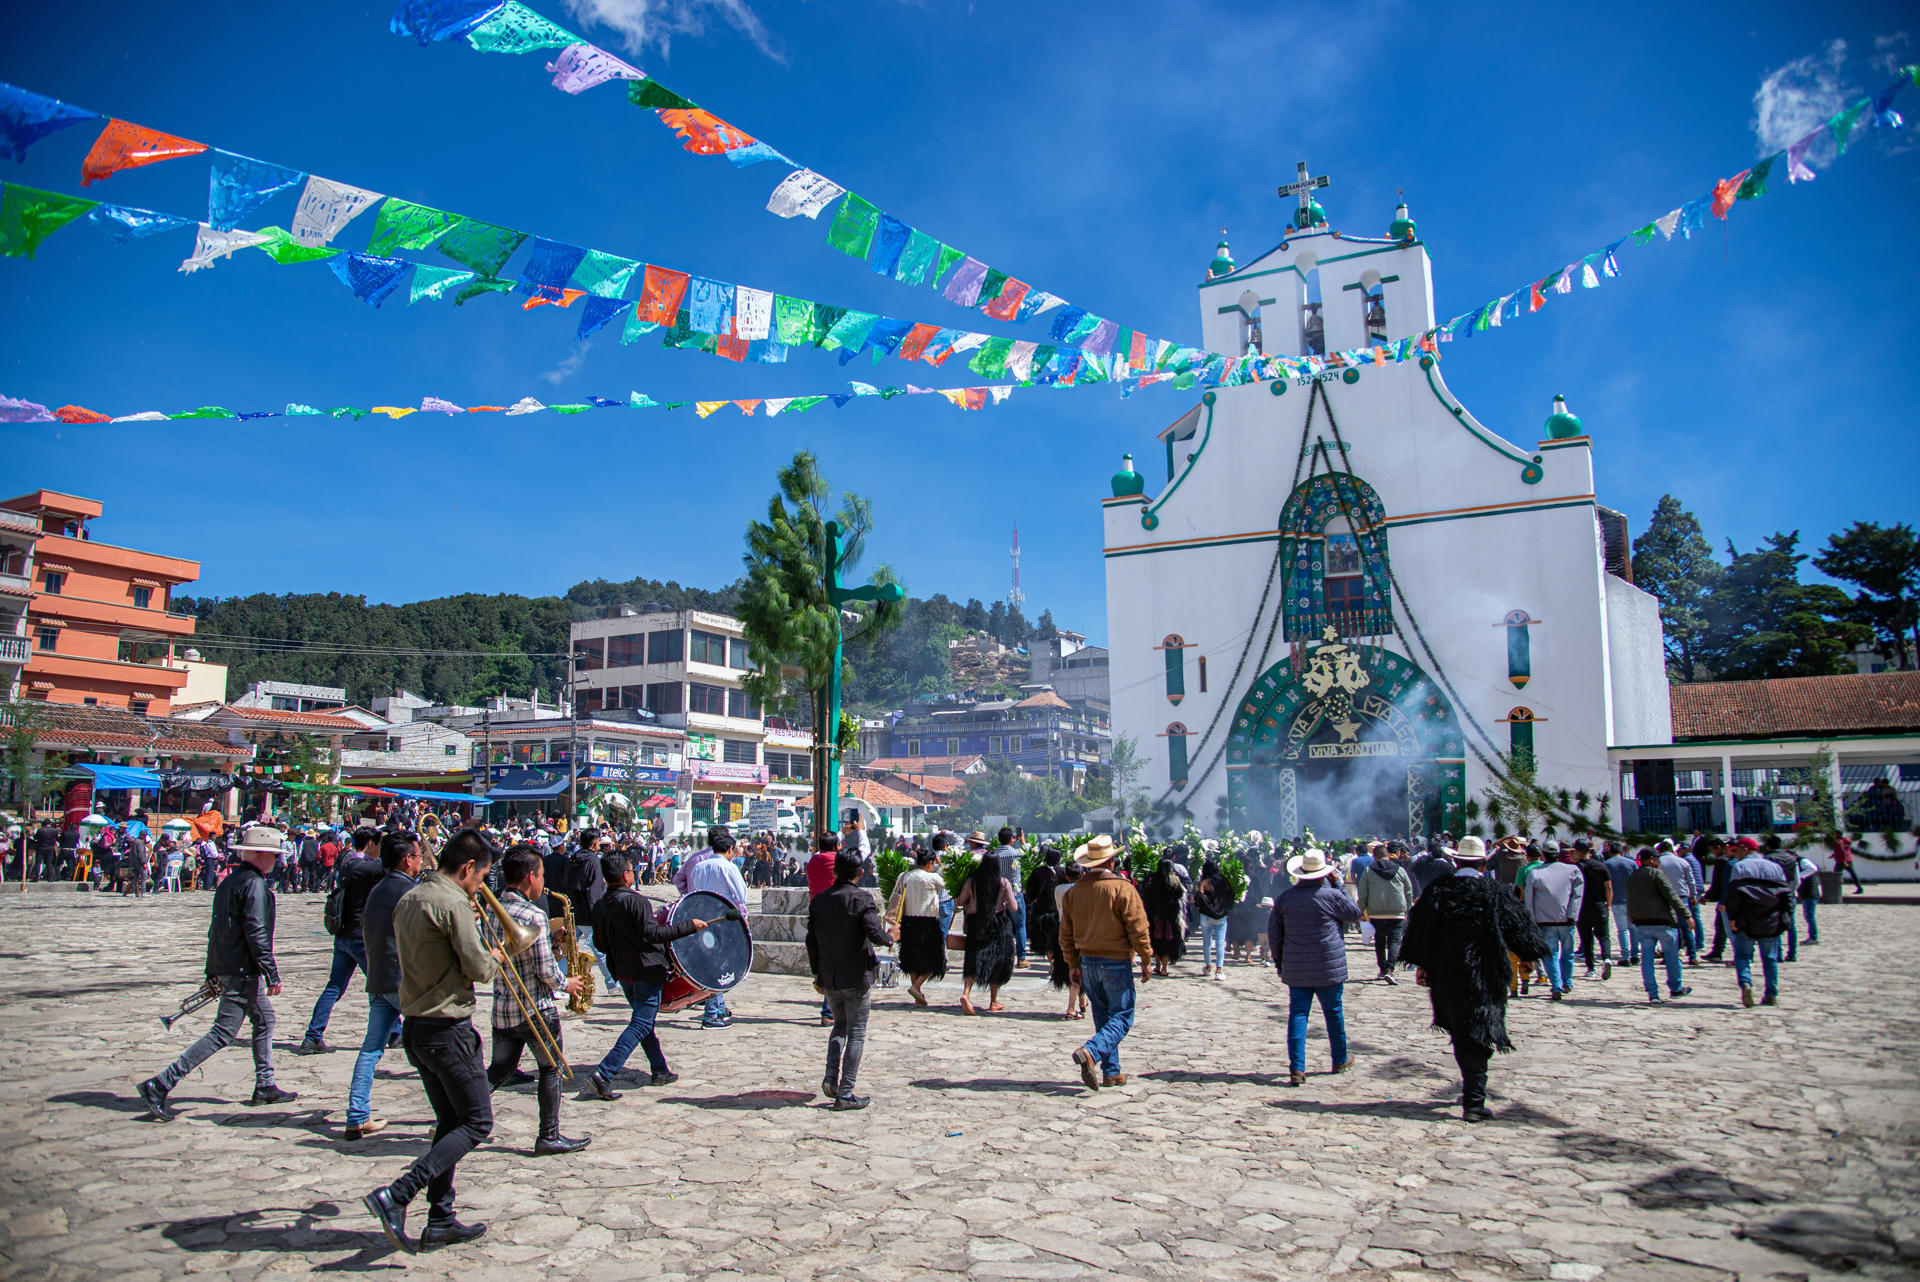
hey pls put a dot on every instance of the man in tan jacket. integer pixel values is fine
(1103, 926)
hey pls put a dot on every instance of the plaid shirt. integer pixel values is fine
(537, 968)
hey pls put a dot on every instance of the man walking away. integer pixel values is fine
(1680, 873)
(441, 959)
(540, 977)
(1620, 867)
(1384, 893)
(584, 888)
(1007, 855)
(1810, 897)
(1596, 908)
(400, 860)
(636, 943)
(1658, 915)
(1555, 892)
(1759, 910)
(1305, 932)
(346, 902)
(1103, 925)
(843, 928)
(240, 959)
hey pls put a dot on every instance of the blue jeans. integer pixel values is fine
(347, 954)
(1559, 957)
(715, 1007)
(946, 915)
(1020, 922)
(644, 999)
(586, 942)
(1807, 907)
(1699, 937)
(1665, 940)
(1623, 931)
(1743, 949)
(383, 1012)
(1108, 985)
(1213, 941)
(1299, 1006)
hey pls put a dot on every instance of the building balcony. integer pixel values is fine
(77, 609)
(13, 650)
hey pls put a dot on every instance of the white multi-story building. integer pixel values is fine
(684, 667)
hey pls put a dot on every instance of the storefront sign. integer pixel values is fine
(703, 747)
(633, 774)
(725, 772)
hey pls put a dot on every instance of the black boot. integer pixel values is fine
(555, 1142)
(449, 1232)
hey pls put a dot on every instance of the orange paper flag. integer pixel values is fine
(916, 341)
(705, 133)
(79, 414)
(1007, 303)
(748, 407)
(124, 146)
(566, 299)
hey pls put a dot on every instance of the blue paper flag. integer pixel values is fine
(605, 404)
(771, 352)
(371, 279)
(709, 305)
(549, 269)
(240, 184)
(886, 335)
(597, 313)
(124, 224)
(755, 154)
(888, 242)
(431, 20)
(1063, 323)
(26, 118)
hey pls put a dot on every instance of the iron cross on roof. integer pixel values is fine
(1305, 187)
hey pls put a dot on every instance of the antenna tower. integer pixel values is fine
(1016, 598)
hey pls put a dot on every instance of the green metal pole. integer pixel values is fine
(836, 597)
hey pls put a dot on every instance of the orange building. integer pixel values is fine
(98, 629)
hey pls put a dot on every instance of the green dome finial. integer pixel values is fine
(1312, 215)
(1560, 423)
(1128, 483)
(1402, 227)
(1222, 264)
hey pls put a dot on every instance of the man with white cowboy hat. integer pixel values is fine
(1311, 956)
(1103, 926)
(240, 960)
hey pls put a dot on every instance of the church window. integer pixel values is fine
(1520, 723)
(1251, 339)
(1313, 326)
(1175, 649)
(1374, 302)
(1519, 647)
(1176, 736)
(1202, 661)
(1334, 549)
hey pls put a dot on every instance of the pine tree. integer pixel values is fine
(1673, 560)
(1884, 563)
(1761, 621)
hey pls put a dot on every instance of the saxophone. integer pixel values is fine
(580, 962)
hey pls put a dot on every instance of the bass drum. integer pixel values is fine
(710, 961)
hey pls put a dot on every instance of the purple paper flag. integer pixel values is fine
(580, 67)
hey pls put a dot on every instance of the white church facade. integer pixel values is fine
(1337, 603)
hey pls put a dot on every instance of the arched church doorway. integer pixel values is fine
(1348, 740)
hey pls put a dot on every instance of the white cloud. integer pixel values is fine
(569, 365)
(1795, 100)
(1889, 52)
(656, 22)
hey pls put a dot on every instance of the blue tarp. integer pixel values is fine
(420, 795)
(119, 778)
(528, 785)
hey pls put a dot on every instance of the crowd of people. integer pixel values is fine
(409, 908)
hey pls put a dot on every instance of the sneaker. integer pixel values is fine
(156, 1101)
(1652, 1000)
(1746, 995)
(1089, 1074)
(1770, 1001)
(369, 1127)
(449, 1232)
(270, 1095)
(1682, 991)
(850, 1103)
(393, 1219)
(311, 1046)
(1219, 972)
(665, 1077)
(726, 1021)
(600, 1086)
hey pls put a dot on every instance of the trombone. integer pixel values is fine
(512, 939)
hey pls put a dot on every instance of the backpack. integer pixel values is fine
(335, 915)
(1760, 909)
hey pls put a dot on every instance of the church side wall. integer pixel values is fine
(1642, 700)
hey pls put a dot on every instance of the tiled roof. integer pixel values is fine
(288, 717)
(877, 795)
(913, 765)
(1798, 707)
(942, 786)
(66, 725)
(1045, 699)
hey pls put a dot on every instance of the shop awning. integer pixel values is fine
(420, 794)
(528, 785)
(115, 778)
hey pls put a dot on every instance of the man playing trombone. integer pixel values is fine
(539, 977)
(442, 956)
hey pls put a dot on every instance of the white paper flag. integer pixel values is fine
(1668, 223)
(967, 342)
(803, 192)
(325, 207)
(214, 243)
(774, 404)
(752, 313)
(525, 405)
(1020, 360)
(145, 416)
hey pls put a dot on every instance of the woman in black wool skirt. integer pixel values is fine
(1061, 976)
(1043, 910)
(1164, 897)
(915, 909)
(987, 900)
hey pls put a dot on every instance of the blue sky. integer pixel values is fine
(1764, 375)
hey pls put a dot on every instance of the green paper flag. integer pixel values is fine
(1756, 184)
(990, 286)
(570, 409)
(284, 249)
(948, 257)
(481, 246)
(850, 330)
(916, 258)
(401, 224)
(1842, 124)
(28, 216)
(435, 282)
(821, 320)
(991, 360)
(800, 405)
(206, 411)
(852, 229)
(1644, 235)
(790, 319)
(635, 327)
(514, 28)
(604, 275)
(484, 285)
(651, 93)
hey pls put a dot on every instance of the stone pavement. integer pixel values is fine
(1690, 1141)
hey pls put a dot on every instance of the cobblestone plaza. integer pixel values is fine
(1690, 1141)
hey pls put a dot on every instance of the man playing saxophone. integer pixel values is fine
(441, 958)
(541, 977)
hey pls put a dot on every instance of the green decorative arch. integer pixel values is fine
(1346, 736)
(1303, 523)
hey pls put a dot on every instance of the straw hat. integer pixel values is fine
(977, 838)
(260, 836)
(1097, 853)
(1471, 850)
(1310, 866)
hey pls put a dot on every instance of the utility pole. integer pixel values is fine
(836, 597)
(573, 730)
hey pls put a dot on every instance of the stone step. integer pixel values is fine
(784, 901)
(779, 957)
(777, 929)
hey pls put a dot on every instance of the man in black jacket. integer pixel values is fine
(240, 958)
(46, 851)
(400, 867)
(358, 876)
(636, 944)
(585, 887)
(843, 928)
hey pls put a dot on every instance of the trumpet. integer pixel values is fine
(208, 991)
(512, 939)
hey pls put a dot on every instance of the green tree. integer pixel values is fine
(1124, 767)
(1045, 629)
(1883, 561)
(508, 672)
(974, 616)
(1673, 560)
(784, 612)
(25, 776)
(1761, 621)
